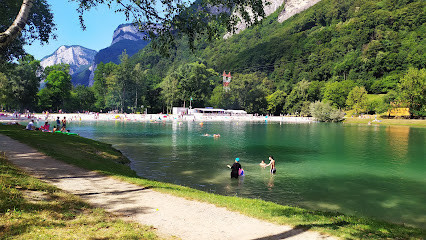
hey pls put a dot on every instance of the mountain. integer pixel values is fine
(295, 56)
(83, 61)
(125, 37)
(76, 56)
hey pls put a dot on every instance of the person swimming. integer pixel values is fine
(262, 164)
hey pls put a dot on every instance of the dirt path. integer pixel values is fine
(172, 216)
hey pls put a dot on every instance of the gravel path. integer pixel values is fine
(172, 216)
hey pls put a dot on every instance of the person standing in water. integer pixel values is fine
(235, 168)
(58, 122)
(272, 164)
(64, 122)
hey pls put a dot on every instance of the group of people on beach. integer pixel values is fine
(46, 126)
(237, 170)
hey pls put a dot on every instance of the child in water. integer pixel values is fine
(262, 164)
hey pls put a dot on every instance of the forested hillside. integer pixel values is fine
(320, 54)
(337, 52)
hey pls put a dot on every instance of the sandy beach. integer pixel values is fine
(40, 118)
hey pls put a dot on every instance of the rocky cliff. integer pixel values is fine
(291, 7)
(83, 61)
(76, 56)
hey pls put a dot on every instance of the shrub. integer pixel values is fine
(323, 112)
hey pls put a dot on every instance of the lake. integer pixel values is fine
(375, 171)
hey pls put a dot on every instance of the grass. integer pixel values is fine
(386, 122)
(31, 209)
(101, 157)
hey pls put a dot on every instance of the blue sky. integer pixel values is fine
(100, 25)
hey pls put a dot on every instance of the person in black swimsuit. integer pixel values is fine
(235, 167)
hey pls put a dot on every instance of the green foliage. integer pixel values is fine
(40, 27)
(82, 99)
(320, 54)
(4, 86)
(412, 90)
(297, 96)
(248, 93)
(336, 93)
(276, 102)
(23, 84)
(192, 80)
(357, 100)
(324, 112)
(56, 92)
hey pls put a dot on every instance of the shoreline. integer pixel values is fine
(156, 118)
(199, 118)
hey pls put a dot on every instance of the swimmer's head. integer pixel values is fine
(237, 159)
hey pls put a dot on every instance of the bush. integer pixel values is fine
(323, 112)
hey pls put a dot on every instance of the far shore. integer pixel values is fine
(72, 117)
(39, 118)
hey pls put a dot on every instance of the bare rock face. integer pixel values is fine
(127, 32)
(291, 8)
(75, 56)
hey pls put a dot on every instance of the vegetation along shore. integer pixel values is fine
(101, 157)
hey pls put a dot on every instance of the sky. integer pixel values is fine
(100, 25)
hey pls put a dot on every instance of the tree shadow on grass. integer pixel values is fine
(299, 229)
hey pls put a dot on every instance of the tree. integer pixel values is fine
(297, 96)
(357, 99)
(249, 93)
(12, 32)
(124, 82)
(100, 85)
(141, 87)
(83, 98)
(24, 82)
(158, 19)
(57, 90)
(195, 83)
(276, 102)
(412, 89)
(170, 90)
(23, 22)
(336, 92)
(4, 90)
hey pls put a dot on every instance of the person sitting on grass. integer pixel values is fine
(45, 127)
(55, 128)
(30, 125)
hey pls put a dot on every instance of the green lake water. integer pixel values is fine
(375, 171)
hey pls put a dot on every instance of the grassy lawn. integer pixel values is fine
(386, 122)
(31, 209)
(101, 157)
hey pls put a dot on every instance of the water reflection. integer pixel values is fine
(398, 140)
